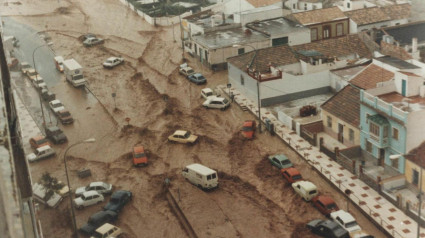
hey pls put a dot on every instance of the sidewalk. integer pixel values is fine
(383, 212)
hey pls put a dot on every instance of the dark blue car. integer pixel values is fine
(118, 200)
(97, 220)
(197, 78)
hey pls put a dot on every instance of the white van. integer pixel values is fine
(107, 231)
(307, 190)
(201, 176)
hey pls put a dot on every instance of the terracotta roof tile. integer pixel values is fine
(417, 155)
(345, 105)
(284, 55)
(318, 16)
(409, 74)
(366, 16)
(370, 76)
(262, 3)
(399, 11)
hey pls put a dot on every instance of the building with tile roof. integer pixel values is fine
(288, 73)
(371, 77)
(341, 116)
(378, 17)
(323, 23)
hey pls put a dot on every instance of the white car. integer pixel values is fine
(25, 67)
(216, 102)
(56, 106)
(88, 198)
(41, 153)
(346, 220)
(112, 62)
(208, 92)
(101, 187)
(39, 83)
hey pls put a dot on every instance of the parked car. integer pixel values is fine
(56, 135)
(325, 204)
(280, 161)
(248, 129)
(327, 228)
(65, 117)
(39, 83)
(97, 220)
(216, 102)
(139, 156)
(58, 60)
(307, 190)
(39, 194)
(346, 220)
(208, 92)
(197, 78)
(291, 174)
(100, 187)
(56, 106)
(360, 234)
(32, 74)
(186, 70)
(38, 141)
(86, 36)
(91, 41)
(25, 67)
(107, 231)
(43, 152)
(47, 95)
(183, 137)
(112, 62)
(88, 198)
(118, 200)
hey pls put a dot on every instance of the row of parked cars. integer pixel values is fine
(341, 223)
(99, 224)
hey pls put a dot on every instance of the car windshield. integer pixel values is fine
(42, 141)
(285, 161)
(225, 101)
(65, 114)
(109, 61)
(200, 77)
(351, 224)
(139, 155)
(56, 105)
(26, 66)
(296, 177)
(246, 128)
(331, 206)
(32, 73)
(77, 77)
(38, 80)
(190, 71)
(186, 135)
(209, 94)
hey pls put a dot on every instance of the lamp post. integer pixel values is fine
(36, 79)
(258, 83)
(74, 223)
(393, 157)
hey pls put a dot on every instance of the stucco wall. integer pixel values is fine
(319, 28)
(415, 129)
(245, 17)
(380, 25)
(346, 129)
(410, 166)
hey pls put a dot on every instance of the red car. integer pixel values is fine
(248, 129)
(38, 141)
(139, 156)
(325, 204)
(291, 174)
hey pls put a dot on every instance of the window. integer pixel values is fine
(280, 41)
(314, 34)
(305, 6)
(415, 177)
(294, 6)
(242, 80)
(367, 117)
(329, 122)
(196, 49)
(368, 147)
(351, 134)
(209, 177)
(326, 32)
(374, 129)
(241, 51)
(394, 163)
(339, 29)
(348, 5)
(395, 133)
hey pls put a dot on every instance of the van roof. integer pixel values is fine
(59, 58)
(104, 228)
(307, 185)
(180, 132)
(199, 168)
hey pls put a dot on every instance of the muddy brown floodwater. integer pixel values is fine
(253, 199)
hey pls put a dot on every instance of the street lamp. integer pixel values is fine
(393, 157)
(36, 79)
(74, 223)
(258, 81)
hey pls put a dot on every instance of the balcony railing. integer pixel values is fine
(383, 106)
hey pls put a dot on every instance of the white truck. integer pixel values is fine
(74, 72)
(201, 176)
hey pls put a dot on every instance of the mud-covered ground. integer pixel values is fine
(253, 199)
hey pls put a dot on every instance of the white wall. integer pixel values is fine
(415, 129)
(337, 82)
(261, 13)
(298, 37)
(380, 25)
(413, 84)
(353, 27)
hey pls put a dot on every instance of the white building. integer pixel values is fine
(303, 5)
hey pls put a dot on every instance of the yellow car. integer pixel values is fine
(183, 137)
(32, 74)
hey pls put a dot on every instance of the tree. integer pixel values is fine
(50, 184)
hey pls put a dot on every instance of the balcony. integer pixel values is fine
(383, 107)
(378, 130)
(379, 141)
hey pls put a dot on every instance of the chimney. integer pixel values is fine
(414, 44)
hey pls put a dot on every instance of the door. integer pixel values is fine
(381, 157)
(403, 87)
(415, 177)
(340, 132)
(326, 32)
